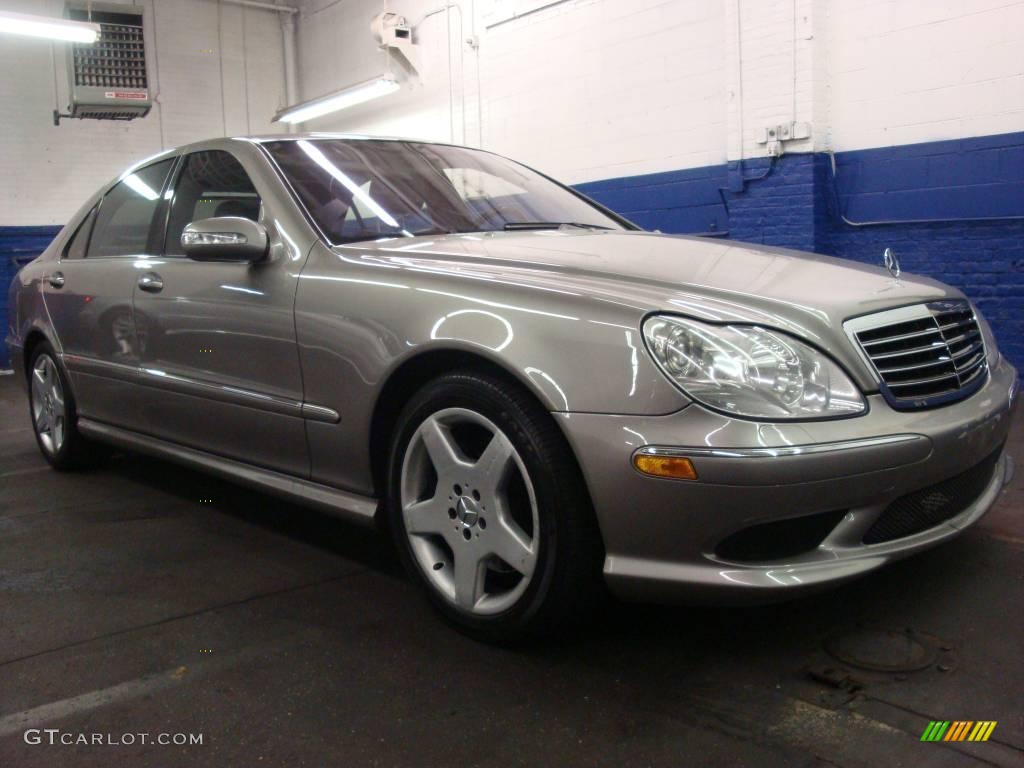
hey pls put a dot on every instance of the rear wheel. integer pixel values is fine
(54, 415)
(489, 510)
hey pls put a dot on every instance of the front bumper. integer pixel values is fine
(661, 535)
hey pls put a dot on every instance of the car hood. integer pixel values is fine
(716, 280)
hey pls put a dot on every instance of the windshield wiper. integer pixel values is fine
(512, 226)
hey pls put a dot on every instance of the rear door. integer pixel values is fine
(88, 293)
(220, 364)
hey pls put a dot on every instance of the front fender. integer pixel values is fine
(27, 316)
(358, 320)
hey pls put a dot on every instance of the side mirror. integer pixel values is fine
(225, 238)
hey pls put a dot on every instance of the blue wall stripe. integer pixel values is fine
(18, 245)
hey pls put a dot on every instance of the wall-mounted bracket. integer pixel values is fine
(394, 33)
(774, 135)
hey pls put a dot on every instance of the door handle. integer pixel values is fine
(56, 279)
(151, 282)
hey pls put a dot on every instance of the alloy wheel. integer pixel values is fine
(470, 511)
(48, 408)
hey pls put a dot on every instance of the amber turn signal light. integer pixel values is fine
(675, 467)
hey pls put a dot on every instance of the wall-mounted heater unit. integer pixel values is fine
(107, 79)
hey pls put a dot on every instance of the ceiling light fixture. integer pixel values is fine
(333, 102)
(48, 28)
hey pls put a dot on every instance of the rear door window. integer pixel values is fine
(125, 221)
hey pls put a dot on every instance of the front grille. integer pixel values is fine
(924, 509)
(928, 355)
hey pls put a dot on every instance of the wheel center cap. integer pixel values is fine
(467, 511)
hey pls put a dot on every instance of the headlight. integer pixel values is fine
(750, 371)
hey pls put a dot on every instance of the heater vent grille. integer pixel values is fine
(108, 79)
(116, 60)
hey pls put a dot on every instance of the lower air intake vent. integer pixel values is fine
(779, 539)
(931, 506)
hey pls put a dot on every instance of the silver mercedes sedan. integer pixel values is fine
(535, 397)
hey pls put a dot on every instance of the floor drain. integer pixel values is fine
(883, 650)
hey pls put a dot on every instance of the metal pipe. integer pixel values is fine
(446, 10)
(516, 16)
(291, 84)
(891, 222)
(287, 9)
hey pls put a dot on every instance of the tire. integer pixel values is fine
(489, 510)
(54, 416)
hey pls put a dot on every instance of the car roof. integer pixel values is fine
(330, 135)
(311, 135)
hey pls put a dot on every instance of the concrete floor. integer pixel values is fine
(147, 598)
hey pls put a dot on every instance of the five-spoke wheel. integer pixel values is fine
(470, 510)
(489, 510)
(47, 401)
(54, 416)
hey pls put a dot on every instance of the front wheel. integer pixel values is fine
(489, 510)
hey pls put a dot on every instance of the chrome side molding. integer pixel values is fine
(782, 450)
(151, 377)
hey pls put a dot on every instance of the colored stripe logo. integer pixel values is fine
(958, 730)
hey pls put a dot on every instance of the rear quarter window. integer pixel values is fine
(79, 242)
(125, 219)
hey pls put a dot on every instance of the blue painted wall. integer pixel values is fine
(18, 245)
(953, 210)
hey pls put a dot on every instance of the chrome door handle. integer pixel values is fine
(56, 279)
(151, 282)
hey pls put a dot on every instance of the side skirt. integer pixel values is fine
(343, 504)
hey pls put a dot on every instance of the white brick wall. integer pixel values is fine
(589, 89)
(584, 89)
(771, 65)
(902, 72)
(598, 88)
(336, 49)
(49, 171)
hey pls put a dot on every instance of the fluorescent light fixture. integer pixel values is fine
(48, 28)
(333, 102)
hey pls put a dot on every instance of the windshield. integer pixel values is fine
(368, 189)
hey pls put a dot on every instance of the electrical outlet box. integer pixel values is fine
(801, 130)
(784, 132)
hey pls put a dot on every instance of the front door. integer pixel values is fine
(219, 364)
(88, 294)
